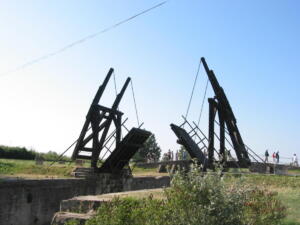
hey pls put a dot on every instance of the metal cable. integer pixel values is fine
(202, 103)
(80, 41)
(135, 105)
(247, 147)
(62, 154)
(192, 94)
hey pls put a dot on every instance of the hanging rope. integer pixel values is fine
(204, 96)
(135, 106)
(115, 83)
(192, 94)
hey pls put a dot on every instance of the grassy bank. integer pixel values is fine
(137, 171)
(291, 199)
(288, 189)
(28, 169)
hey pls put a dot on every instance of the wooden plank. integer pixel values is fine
(189, 144)
(83, 157)
(86, 150)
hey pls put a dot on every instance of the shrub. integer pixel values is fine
(72, 222)
(8, 152)
(16, 153)
(196, 199)
(129, 211)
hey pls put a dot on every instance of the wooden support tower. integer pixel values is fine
(221, 105)
(218, 106)
(99, 120)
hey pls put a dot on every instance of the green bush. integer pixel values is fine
(6, 167)
(7, 152)
(16, 153)
(130, 211)
(72, 222)
(52, 156)
(196, 199)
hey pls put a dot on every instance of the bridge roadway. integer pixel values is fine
(259, 167)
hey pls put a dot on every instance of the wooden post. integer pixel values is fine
(211, 130)
(222, 135)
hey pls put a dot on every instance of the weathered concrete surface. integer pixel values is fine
(88, 203)
(138, 183)
(269, 168)
(34, 202)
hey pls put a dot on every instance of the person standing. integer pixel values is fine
(277, 157)
(274, 157)
(295, 160)
(169, 155)
(267, 156)
(184, 155)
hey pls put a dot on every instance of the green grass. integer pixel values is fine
(288, 189)
(291, 199)
(294, 171)
(138, 171)
(277, 181)
(28, 169)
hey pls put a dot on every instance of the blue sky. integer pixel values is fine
(253, 47)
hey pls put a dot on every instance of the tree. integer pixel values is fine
(151, 150)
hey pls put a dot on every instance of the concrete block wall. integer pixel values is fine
(268, 168)
(34, 202)
(138, 183)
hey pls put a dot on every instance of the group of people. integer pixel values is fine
(275, 157)
(171, 156)
(151, 158)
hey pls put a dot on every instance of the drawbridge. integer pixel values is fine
(202, 147)
(101, 139)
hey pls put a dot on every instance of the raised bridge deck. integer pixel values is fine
(125, 151)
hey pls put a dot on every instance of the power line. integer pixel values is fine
(80, 41)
